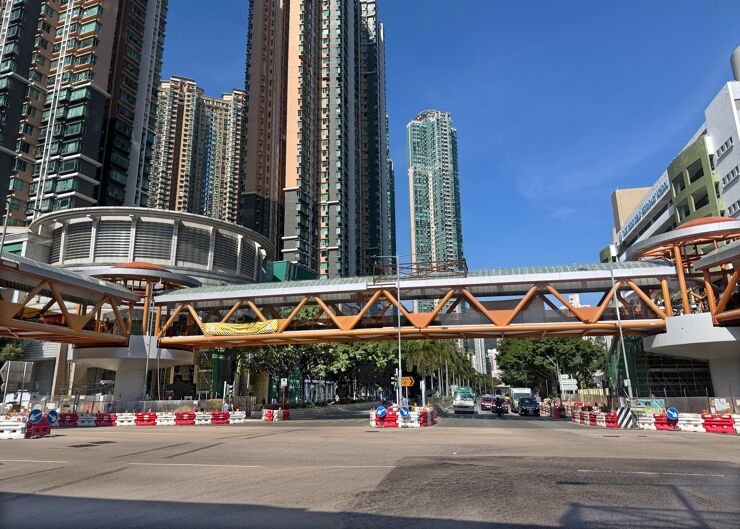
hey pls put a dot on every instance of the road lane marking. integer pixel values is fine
(29, 461)
(687, 474)
(193, 465)
(361, 466)
(652, 473)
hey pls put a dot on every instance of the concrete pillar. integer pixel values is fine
(260, 383)
(77, 380)
(725, 376)
(61, 371)
(129, 383)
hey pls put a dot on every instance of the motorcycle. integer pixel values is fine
(500, 407)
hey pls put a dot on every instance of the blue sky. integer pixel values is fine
(556, 103)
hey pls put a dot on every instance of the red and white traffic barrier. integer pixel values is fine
(39, 429)
(275, 415)
(202, 418)
(68, 420)
(85, 420)
(237, 417)
(185, 418)
(12, 429)
(18, 426)
(691, 422)
(105, 419)
(392, 417)
(146, 419)
(165, 419)
(125, 419)
(719, 423)
(220, 417)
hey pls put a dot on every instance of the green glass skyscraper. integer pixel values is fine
(434, 188)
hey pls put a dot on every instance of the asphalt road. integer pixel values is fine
(467, 472)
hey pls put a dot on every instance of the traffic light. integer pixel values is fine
(394, 380)
(228, 389)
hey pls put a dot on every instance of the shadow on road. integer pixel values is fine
(21, 511)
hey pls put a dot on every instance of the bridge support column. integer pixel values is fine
(129, 383)
(59, 384)
(695, 336)
(725, 374)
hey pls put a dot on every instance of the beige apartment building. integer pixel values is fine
(198, 158)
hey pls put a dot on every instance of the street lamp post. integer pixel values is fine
(621, 337)
(398, 322)
(557, 371)
(397, 258)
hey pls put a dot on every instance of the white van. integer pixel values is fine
(463, 402)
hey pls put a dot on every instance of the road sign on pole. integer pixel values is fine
(407, 381)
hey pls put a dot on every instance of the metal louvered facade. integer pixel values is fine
(210, 250)
(192, 246)
(226, 254)
(153, 241)
(77, 242)
(112, 239)
(56, 245)
(248, 259)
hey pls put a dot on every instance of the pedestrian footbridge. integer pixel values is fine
(679, 292)
(688, 271)
(484, 303)
(670, 276)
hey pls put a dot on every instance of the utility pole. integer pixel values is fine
(397, 258)
(398, 313)
(628, 380)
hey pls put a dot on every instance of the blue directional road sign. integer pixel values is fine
(381, 411)
(404, 411)
(672, 414)
(35, 416)
(52, 418)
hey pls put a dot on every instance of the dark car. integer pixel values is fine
(529, 406)
(486, 403)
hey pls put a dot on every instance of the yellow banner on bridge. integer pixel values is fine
(241, 329)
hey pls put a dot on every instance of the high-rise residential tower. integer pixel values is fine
(434, 188)
(26, 32)
(198, 158)
(317, 181)
(90, 85)
(376, 174)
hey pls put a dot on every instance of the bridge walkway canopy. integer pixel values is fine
(48, 303)
(531, 301)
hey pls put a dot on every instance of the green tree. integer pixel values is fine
(10, 350)
(530, 362)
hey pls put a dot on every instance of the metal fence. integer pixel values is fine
(707, 404)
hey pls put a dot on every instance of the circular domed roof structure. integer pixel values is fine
(694, 234)
(704, 221)
(209, 250)
(141, 265)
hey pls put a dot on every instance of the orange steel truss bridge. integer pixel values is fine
(491, 303)
(46, 303)
(695, 268)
